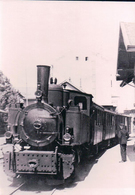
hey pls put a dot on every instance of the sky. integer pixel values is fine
(55, 32)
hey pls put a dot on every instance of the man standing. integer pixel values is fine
(123, 136)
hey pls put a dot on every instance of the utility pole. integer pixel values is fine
(80, 83)
(26, 87)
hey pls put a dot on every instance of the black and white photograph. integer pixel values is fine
(67, 97)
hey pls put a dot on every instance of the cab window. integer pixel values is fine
(81, 101)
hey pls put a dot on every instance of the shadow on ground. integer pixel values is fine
(131, 152)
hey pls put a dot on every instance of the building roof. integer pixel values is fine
(69, 85)
(126, 53)
(110, 107)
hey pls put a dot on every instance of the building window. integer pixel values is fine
(86, 58)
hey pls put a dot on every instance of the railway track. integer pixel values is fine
(23, 185)
(19, 187)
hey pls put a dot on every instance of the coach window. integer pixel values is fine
(97, 117)
(110, 119)
(100, 118)
(107, 119)
(81, 101)
(110, 122)
(113, 120)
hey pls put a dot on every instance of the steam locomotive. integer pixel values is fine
(49, 137)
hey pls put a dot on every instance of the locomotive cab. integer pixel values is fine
(77, 118)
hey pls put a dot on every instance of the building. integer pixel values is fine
(126, 53)
(110, 107)
(131, 113)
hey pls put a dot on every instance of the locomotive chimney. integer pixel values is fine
(43, 73)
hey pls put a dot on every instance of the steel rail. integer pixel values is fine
(53, 191)
(18, 188)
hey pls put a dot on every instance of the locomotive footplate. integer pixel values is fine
(41, 162)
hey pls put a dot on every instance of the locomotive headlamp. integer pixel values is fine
(38, 93)
(67, 137)
(8, 134)
(67, 129)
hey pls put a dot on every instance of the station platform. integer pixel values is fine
(108, 176)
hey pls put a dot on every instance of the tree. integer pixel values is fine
(8, 94)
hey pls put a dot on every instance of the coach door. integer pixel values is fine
(98, 126)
